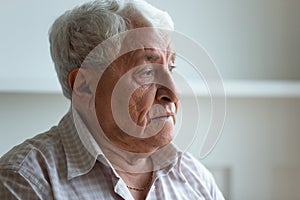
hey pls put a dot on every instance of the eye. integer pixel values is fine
(147, 72)
(144, 75)
(171, 68)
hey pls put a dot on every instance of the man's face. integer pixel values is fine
(136, 100)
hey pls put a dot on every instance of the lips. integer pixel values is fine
(160, 117)
(163, 117)
(162, 112)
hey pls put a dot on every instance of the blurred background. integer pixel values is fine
(254, 43)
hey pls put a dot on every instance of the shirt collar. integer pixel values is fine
(174, 166)
(74, 148)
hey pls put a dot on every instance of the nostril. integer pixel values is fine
(165, 95)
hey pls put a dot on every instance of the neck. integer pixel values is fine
(124, 160)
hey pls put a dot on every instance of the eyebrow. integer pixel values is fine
(172, 56)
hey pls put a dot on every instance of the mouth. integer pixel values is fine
(162, 118)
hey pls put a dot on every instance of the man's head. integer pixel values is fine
(135, 98)
(74, 34)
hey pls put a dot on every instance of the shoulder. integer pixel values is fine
(24, 170)
(196, 174)
(31, 151)
(190, 162)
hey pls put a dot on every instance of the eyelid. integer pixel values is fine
(144, 75)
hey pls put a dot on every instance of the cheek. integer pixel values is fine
(141, 101)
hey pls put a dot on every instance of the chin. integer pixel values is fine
(162, 138)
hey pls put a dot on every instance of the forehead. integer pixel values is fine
(143, 56)
(155, 52)
(147, 39)
(109, 52)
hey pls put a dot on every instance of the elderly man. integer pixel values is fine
(114, 60)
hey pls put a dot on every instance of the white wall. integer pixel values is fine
(256, 157)
(249, 39)
(25, 115)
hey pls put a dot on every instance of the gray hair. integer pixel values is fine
(78, 31)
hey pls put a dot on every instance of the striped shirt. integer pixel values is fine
(57, 165)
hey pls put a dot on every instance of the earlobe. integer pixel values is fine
(72, 77)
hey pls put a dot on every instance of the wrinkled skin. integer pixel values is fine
(142, 101)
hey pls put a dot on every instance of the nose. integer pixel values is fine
(167, 91)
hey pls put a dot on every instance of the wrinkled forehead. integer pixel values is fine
(147, 38)
(123, 43)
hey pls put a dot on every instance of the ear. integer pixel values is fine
(72, 77)
(80, 83)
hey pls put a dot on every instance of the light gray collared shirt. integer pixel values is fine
(57, 165)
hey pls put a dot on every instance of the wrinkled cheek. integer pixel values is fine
(133, 110)
(139, 105)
